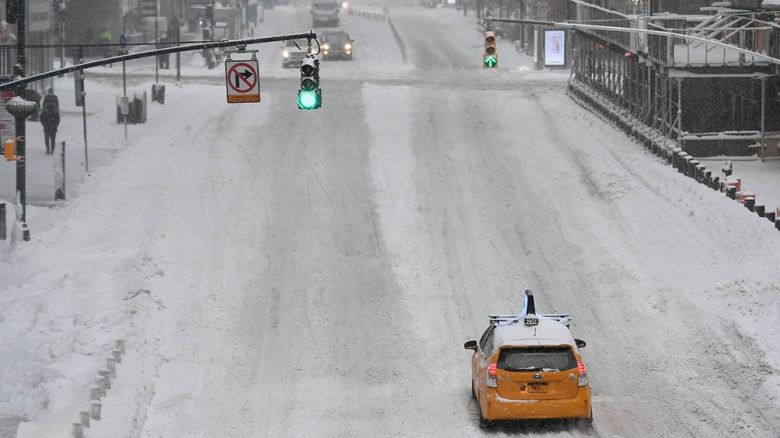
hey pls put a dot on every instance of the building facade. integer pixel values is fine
(40, 31)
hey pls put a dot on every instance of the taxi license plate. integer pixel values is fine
(537, 388)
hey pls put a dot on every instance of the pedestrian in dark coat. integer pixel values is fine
(50, 119)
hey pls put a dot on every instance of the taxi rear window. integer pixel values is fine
(536, 359)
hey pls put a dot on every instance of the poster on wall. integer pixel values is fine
(554, 47)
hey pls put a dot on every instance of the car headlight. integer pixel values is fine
(348, 46)
(286, 54)
(326, 46)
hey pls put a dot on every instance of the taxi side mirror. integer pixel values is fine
(470, 345)
(580, 343)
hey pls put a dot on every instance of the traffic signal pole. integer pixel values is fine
(156, 41)
(242, 42)
(19, 70)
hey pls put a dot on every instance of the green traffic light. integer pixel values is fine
(490, 61)
(308, 99)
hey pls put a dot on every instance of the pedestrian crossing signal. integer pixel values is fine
(490, 57)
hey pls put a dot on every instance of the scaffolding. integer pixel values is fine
(708, 99)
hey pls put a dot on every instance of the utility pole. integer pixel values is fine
(156, 45)
(84, 119)
(213, 18)
(124, 96)
(19, 70)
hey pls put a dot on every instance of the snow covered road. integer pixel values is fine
(316, 273)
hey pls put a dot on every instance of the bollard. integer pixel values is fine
(106, 376)
(111, 366)
(770, 215)
(100, 381)
(94, 409)
(78, 431)
(94, 392)
(716, 183)
(760, 210)
(681, 162)
(84, 417)
(692, 167)
(117, 356)
(700, 169)
(750, 204)
(689, 166)
(707, 178)
(2, 221)
(686, 159)
(777, 224)
(732, 192)
(745, 194)
(120, 345)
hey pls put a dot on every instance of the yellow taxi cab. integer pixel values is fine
(528, 366)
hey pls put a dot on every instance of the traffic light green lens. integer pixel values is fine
(307, 99)
(490, 61)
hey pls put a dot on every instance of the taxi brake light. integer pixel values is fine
(491, 381)
(583, 373)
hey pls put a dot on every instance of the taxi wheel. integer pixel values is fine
(586, 422)
(483, 423)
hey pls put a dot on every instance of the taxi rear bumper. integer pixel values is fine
(498, 408)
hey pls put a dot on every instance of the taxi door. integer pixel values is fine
(480, 361)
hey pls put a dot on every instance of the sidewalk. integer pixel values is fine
(105, 139)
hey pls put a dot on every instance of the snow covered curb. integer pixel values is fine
(398, 40)
(667, 149)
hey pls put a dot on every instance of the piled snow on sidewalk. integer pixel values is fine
(87, 277)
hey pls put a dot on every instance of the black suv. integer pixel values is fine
(336, 45)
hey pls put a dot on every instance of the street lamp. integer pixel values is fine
(21, 109)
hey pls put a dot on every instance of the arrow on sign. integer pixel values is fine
(246, 74)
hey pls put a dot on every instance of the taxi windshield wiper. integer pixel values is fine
(523, 369)
(528, 369)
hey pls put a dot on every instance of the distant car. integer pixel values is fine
(336, 45)
(292, 54)
(528, 366)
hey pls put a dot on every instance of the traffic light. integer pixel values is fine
(490, 57)
(310, 95)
